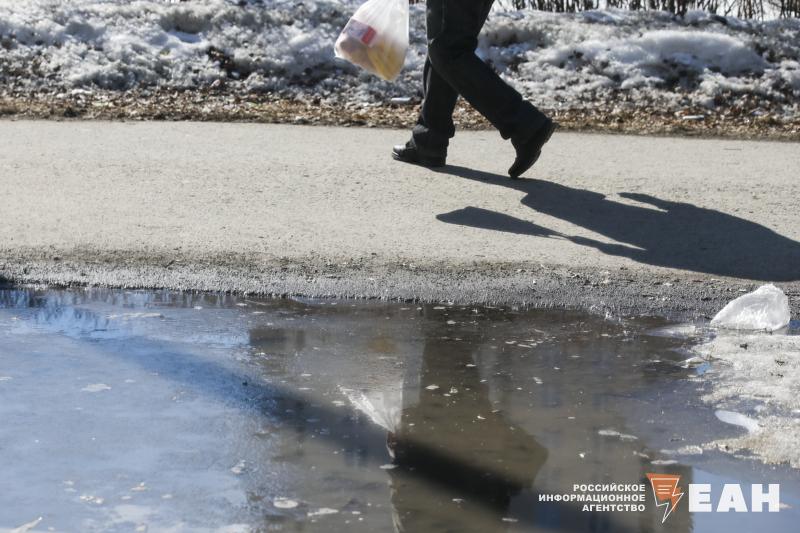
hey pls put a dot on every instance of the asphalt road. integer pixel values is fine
(603, 221)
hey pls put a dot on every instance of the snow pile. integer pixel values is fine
(286, 46)
(766, 308)
(118, 45)
(649, 56)
(758, 374)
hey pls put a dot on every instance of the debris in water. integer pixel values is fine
(614, 433)
(239, 468)
(432, 387)
(388, 466)
(322, 511)
(664, 462)
(692, 362)
(127, 316)
(737, 419)
(766, 308)
(686, 450)
(284, 503)
(24, 528)
(96, 387)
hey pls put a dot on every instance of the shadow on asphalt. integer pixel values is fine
(657, 232)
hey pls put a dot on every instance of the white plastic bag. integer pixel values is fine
(766, 308)
(376, 38)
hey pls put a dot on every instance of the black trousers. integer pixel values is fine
(453, 69)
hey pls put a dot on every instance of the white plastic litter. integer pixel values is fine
(767, 308)
(376, 38)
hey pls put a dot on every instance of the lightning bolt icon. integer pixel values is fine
(666, 492)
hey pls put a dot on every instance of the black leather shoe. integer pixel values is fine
(529, 150)
(409, 153)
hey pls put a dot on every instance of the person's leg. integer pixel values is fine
(452, 68)
(431, 135)
(435, 126)
(453, 29)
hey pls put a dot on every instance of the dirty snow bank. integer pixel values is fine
(286, 47)
(646, 56)
(758, 374)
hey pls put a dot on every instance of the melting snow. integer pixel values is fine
(754, 379)
(286, 47)
(737, 419)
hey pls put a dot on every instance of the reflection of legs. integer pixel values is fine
(443, 452)
(453, 28)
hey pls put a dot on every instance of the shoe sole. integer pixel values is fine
(553, 127)
(422, 161)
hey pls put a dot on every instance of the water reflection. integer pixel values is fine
(460, 462)
(395, 416)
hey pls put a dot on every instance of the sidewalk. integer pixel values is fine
(635, 223)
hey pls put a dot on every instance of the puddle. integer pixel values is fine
(153, 411)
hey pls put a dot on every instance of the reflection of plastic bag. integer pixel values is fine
(384, 408)
(376, 37)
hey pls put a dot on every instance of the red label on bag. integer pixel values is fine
(363, 32)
